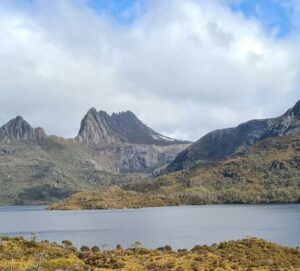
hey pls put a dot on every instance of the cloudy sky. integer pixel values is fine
(184, 67)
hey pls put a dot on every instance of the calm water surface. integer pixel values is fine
(180, 227)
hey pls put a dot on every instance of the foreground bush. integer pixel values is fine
(18, 254)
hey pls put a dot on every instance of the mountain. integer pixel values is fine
(255, 162)
(222, 143)
(268, 172)
(100, 128)
(18, 130)
(109, 150)
(125, 143)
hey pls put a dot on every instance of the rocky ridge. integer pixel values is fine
(222, 143)
(101, 128)
(37, 168)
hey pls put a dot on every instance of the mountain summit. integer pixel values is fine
(19, 130)
(101, 128)
(222, 143)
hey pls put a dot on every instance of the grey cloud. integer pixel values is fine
(220, 37)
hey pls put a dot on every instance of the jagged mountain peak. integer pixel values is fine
(17, 127)
(124, 113)
(18, 118)
(19, 130)
(123, 127)
(92, 111)
(16, 122)
(101, 113)
(126, 116)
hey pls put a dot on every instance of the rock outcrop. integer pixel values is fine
(18, 130)
(98, 128)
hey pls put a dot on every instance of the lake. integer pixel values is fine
(180, 227)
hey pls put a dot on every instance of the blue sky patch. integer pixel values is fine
(274, 15)
(121, 10)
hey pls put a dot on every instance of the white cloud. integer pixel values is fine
(184, 67)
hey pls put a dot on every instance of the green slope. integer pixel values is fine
(268, 172)
(35, 174)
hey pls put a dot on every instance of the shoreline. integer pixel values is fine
(46, 207)
(170, 206)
